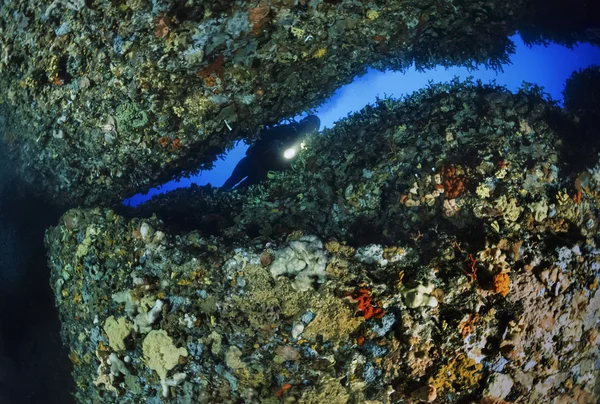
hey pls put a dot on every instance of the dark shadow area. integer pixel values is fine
(34, 365)
(563, 22)
(582, 99)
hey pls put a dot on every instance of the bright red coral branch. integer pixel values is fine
(365, 304)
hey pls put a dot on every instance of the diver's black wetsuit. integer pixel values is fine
(267, 153)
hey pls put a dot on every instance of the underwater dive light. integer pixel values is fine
(290, 153)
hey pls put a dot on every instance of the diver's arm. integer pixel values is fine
(241, 170)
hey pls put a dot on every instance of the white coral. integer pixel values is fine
(74, 5)
(143, 321)
(303, 259)
(175, 381)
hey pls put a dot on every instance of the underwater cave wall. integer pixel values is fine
(435, 249)
(104, 99)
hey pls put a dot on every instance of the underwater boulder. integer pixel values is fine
(456, 254)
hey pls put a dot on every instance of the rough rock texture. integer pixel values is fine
(351, 182)
(101, 99)
(460, 261)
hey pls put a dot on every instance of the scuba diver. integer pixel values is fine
(275, 150)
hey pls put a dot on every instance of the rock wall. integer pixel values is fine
(438, 248)
(104, 99)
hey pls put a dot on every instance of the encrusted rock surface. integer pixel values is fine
(460, 254)
(102, 99)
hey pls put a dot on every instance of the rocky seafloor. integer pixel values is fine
(438, 248)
